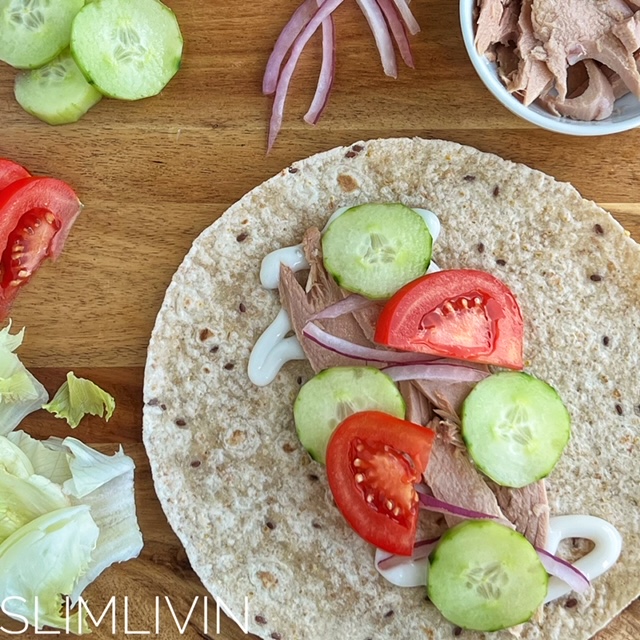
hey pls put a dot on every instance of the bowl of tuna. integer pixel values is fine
(568, 66)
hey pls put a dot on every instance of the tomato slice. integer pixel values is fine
(10, 172)
(373, 462)
(457, 313)
(36, 215)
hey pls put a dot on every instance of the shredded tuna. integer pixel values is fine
(320, 292)
(596, 103)
(452, 477)
(551, 37)
(419, 409)
(527, 508)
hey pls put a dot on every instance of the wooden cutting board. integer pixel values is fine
(153, 174)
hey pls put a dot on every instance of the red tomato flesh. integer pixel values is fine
(36, 215)
(373, 462)
(10, 172)
(457, 313)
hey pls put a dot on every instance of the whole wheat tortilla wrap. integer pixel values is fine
(252, 509)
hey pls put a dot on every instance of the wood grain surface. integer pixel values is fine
(154, 173)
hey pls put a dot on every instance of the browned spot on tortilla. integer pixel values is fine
(269, 581)
(207, 370)
(237, 438)
(347, 183)
(350, 154)
(260, 620)
(598, 229)
(288, 448)
(496, 191)
(180, 422)
(205, 334)
(469, 178)
(241, 237)
(154, 402)
(196, 463)
(229, 366)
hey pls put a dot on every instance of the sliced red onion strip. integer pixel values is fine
(327, 8)
(436, 370)
(407, 16)
(287, 37)
(421, 549)
(398, 30)
(351, 303)
(380, 31)
(359, 352)
(327, 71)
(438, 506)
(564, 570)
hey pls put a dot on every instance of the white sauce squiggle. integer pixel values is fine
(607, 540)
(273, 350)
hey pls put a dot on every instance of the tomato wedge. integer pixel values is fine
(36, 215)
(373, 462)
(458, 313)
(10, 172)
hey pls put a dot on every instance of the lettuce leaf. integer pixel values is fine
(24, 500)
(95, 480)
(47, 459)
(46, 558)
(20, 392)
(77, 397)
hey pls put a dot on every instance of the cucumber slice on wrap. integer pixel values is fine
(485, 576)
(129, 49)
(515, 427)
(34, 32)
(336, 393)
(375, 249)
(57, 93)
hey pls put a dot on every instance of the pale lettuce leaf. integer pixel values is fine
(103, 483)
(13, 460)
(20, 392)
(91, 469)
(47, 558)
(48, 458)
(24, 500)
(10, 342)
(77, 397)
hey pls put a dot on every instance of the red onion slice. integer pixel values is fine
(359, 352)
(398, 31)
(327, 71)
(564, 570)
(287, 37)
(380, 31)
(429, 503)
(438, 370)
(407, 16)
(351, 303)
(323, 12)
(421, 549)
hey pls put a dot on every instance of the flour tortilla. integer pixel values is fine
(254, 512)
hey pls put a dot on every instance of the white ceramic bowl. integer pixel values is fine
(625, 116)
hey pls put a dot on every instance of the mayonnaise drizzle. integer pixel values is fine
(608, 545)
(607, 540)
(273, 349)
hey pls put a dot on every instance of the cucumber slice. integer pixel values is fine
(34, 32)
(515, 428)
(333, 395)
(129, 49)
(374, 249)
(57, 93)
(485, 576)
